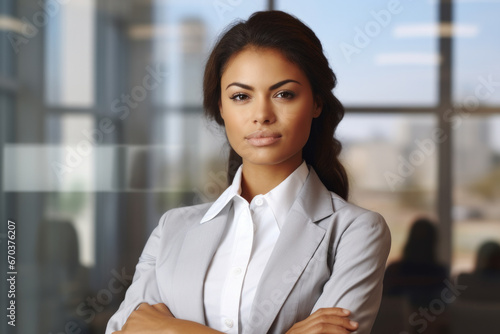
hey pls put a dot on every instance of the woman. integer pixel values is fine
(281, 250)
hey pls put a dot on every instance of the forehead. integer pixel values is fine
(261, 65)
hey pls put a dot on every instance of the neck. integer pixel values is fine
(260, 179)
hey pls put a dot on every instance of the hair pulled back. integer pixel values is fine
(297, 42)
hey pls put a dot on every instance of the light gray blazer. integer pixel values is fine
(329, 253)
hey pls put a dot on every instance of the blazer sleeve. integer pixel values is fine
(358, 270)
(144, 287)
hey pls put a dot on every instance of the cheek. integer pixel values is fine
(300, 127)
(233, 128)
(302, 131)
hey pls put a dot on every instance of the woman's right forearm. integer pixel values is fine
(159, 320)
(179, 326)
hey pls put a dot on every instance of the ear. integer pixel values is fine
(318, 106)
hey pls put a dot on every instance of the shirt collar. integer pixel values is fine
(221, 202)
(280, 198)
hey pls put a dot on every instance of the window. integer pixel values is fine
(476, 68)
(386, 62)
(391, 160)
(384, 53)
(476, 188)
(70, 54)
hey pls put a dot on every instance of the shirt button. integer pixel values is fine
(259, 201)
(237, 271)
(228, 323)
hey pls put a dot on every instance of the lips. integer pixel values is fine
(263, 138)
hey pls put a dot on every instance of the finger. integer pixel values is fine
(138, 306)
(319, 319)
(336, 311)
(335, 320)
(324, 328)
(331, 329)
(162, 308)
(346, 323)
(141, 310)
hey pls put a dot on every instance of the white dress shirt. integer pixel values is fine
(318, 261)
(245, 247)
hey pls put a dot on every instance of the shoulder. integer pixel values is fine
(318, 197)
(341, 216)
(352, 213)
(183, 217)
(358, 225)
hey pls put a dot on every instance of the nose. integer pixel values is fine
(264, 113)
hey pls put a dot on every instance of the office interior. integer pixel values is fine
(102, 131)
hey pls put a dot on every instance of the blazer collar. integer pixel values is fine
(315, 201)
(296, 245)
(298, 240)
(197, 251)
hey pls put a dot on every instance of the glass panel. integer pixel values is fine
(184, 33)
(476, 67)
(392, 165)
(195, 152)
(383, 52)
(69, 54)
(9, 30)
(75, 201)
(477, 189)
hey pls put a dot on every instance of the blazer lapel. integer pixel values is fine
(192, 266)
(298, 240)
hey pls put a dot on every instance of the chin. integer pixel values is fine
(268, 160)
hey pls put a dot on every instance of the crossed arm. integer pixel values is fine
(157, 319)
(356, 281)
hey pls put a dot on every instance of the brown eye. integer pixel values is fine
(239, 97)
(285, 95)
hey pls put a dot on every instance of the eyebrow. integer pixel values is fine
(276, 85)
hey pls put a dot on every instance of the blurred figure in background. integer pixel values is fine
(417, 279)
(63, 282)
(478, 306)
(483, 285)
(417, 276)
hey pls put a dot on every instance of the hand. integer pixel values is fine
(331, 320)
(156, 319)
(147, 319)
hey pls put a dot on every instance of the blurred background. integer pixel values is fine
(102, 131)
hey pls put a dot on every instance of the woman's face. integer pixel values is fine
(267, 105)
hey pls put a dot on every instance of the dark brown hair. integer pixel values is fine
(297, 42)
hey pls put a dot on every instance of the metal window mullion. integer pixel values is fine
(271, 5)
(445, 148)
